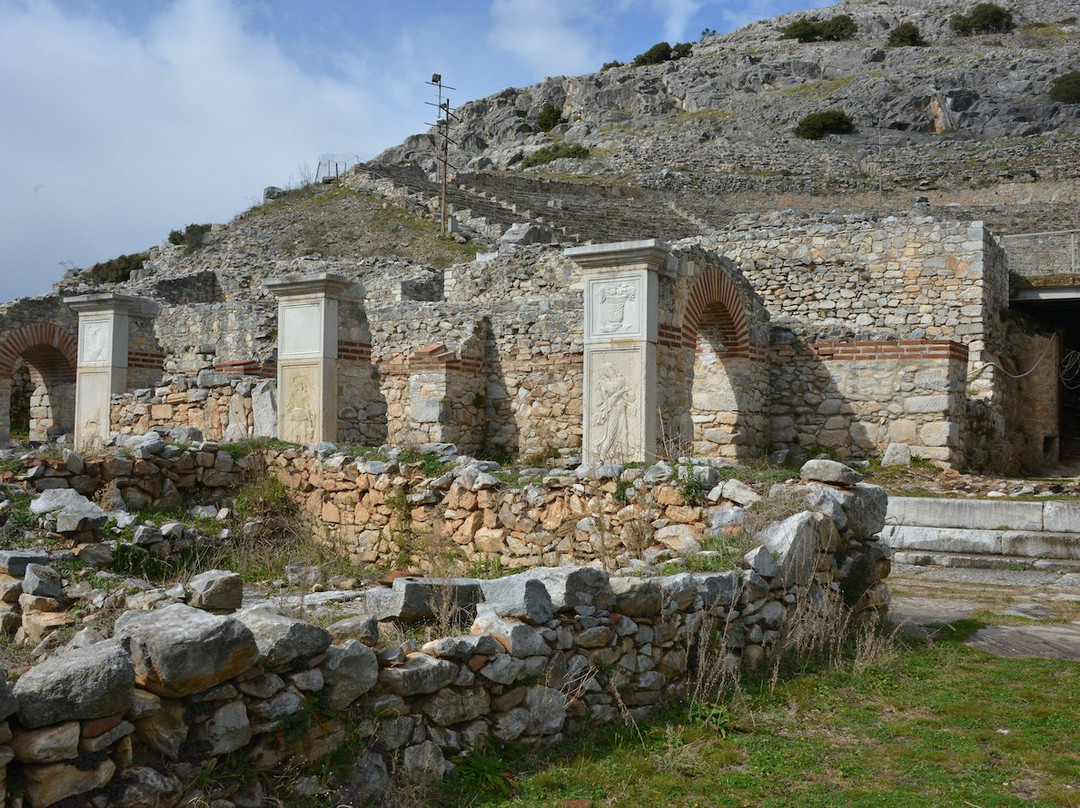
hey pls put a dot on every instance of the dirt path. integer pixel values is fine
(1029, 613)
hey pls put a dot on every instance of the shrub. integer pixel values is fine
(838, 28)
(802, 30)
(984, 18)
(657, 54)
(549, 153)
(906, 34)
(818, 124)
(192, 237)
(550, 117)
(681, 50)
(834, 29)
(611, 64)
(1066, 88)
(116, 270)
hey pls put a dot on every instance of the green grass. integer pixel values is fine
(941, 724)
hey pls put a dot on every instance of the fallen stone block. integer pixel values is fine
(179, 650)
(90, 682)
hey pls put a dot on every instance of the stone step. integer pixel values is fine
(1029, 543)
(918, 558)
(1054, 516)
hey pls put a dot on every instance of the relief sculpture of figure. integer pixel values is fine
(298, 413)
(612, 413)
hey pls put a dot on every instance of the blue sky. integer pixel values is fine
(124, 119)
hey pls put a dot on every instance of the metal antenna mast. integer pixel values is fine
(442, 141)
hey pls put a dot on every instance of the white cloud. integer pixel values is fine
(547, 35)
(115, 138)
(676, 15)
(736, 15)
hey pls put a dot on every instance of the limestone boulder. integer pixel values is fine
(636, 596)
(144, 787)
(574, 586)
(364, 628)
(13, 562)
(452, 706)
(519, 596)
(829, 471)
(216, 591)
(89, 682)
(794, 545)
(412, 599)
(462, 649)
(47, 744)
(180, 650)
(73, 511)
(547, 710)
(42, 581)
(227, 730)
(349, 671)
(283, 639)
(419, 674)
(424, 762)
(865, 510)
(761, 561)
(519, 639)
(50, 783)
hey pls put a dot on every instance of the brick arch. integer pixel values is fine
(50, 351)
(715, 301)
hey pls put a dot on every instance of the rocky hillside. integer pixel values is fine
(958, 113)
(962, 127)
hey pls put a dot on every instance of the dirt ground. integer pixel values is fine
(1028, 613)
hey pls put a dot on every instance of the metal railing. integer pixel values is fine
(1055, 252)
(335, 166)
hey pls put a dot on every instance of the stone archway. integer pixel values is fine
(50, 354)
(729, 380)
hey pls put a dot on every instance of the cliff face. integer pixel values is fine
(730, 107)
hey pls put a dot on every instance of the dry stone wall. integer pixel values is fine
(133, 719)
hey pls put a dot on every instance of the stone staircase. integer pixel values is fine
(984, 533)
(575, 211)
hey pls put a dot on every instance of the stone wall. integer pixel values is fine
(855, 399)
(134, 719)
(222, 407)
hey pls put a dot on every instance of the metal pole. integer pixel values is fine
(445, 162)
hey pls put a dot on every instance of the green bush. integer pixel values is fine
(834, 29)
(838, 28)
(192, 237)
(681, 50)
(549, 153)
(611, 64)
(657, 54)
(550, 117)
(1066, 88)
(984, 18)
(818, 124)
(116, 270)
(906, 34)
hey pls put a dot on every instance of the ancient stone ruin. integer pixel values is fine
(852, 336)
